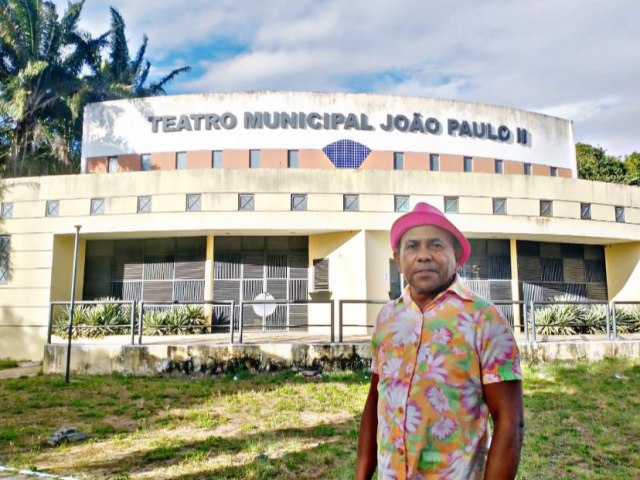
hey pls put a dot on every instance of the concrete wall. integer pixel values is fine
(623, 271)
(159, 359)
(346, 252)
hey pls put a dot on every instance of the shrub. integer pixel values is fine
(628, 318)
(557, 319)
(60, 324)
(93, 321)
(591, 319)
(153, 322)
(178, 320)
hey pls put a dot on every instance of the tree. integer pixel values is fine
(43, 89)
(632, 164)
(41, 56)
(120, 76)
(594, 164)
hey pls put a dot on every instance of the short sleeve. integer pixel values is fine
(499, 356)
(377, 334)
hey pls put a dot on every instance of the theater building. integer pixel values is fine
(237, 196)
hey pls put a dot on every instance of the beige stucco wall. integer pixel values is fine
(623, 271)
(346, 252)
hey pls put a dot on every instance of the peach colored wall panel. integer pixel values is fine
(129, 163)
(451, 163)
(235, 159)
(484, 165)
(513, 168)
(542, 170)
(97, 165)
(564, 172)
(378, 161)
(271, 158)
(163, 161)
(416, 161)
(313, 159)
(199, 159)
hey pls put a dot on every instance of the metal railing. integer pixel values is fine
(579, 325)
(230, 317)
(234, 322)
(341, 324)
(83, 304)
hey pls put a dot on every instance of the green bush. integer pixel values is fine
(93, 321)
(628, 318)
(557, 319)
(179, 320)
(592, 319)
(60, 324)
(571, 318)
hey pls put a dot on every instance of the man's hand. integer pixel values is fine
(504, 400)
(367, 445)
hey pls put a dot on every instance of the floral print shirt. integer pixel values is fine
(432, 417)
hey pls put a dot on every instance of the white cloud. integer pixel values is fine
(575, 60)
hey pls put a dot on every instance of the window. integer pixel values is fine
(7, 210)
(451, 205)
(97, 206)
(585, 211)
(554, 171)
(546, 208)
(401, 203)
(254, 158)
(434, 162)
(468, 164)
(181, 160)
(113, 164)
(216, 159)
(320, 274)
(527, 169)
(5, 245)
(145, 162)
(292, 159)
(144, 204)
(499, 206)
(53, 208)
(246, 202)
(620, 214)
(351, 203)
(499, 166)
(398, 161)
(298, 202)
(194, 202)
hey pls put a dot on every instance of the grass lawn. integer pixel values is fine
(582, 423)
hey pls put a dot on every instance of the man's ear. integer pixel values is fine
(396, 258)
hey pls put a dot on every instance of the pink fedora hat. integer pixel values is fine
(425, 214)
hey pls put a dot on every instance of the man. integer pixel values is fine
(444, 359)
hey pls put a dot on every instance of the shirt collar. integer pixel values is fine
(457, 288)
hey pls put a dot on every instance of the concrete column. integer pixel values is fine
(208, 278)
(515, 291)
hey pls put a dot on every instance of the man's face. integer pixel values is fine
(427, 259)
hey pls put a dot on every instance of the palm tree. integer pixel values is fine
(120, 76)
(41, 56)
(43, 89)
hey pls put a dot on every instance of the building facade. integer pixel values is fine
(290, 196)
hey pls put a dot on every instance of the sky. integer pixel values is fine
(574, 59)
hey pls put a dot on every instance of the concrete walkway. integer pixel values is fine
(29, 369)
